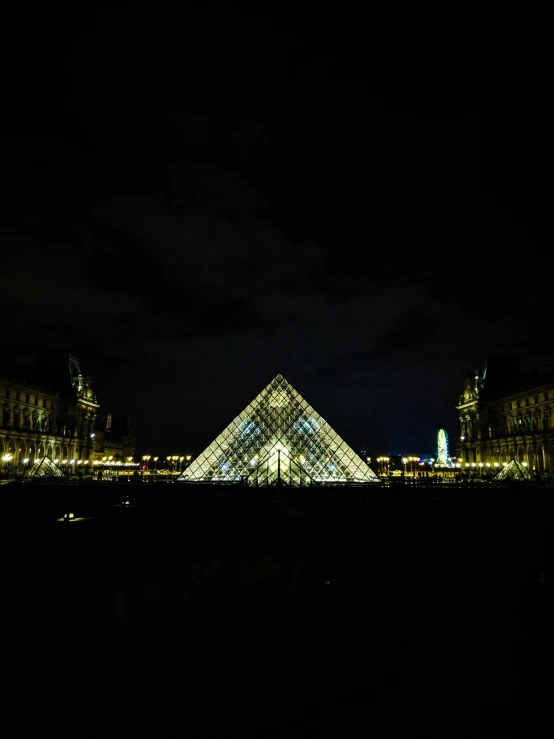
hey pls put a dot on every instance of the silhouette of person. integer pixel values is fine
(536, 645)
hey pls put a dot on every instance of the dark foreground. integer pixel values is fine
(280, 614)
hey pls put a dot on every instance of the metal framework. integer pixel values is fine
(513, 471)
(44, 467)
(279, 439)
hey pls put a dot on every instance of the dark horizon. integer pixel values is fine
(49, 371)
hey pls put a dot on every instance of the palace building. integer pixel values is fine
(505, 413)
(55, 414)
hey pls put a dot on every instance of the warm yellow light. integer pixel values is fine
(525, 464)
(155, 459)
(480, 464)
(488, 464)
(496, 464)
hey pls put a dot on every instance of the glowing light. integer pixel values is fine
(442, 448)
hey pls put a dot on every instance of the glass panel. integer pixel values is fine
(279, 436)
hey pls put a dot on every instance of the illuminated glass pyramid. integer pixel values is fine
(279, 439)
(513, 471)
(44, 467)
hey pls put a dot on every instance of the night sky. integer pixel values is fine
(191, 214)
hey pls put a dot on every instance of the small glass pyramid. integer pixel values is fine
(513, 471)
(44, 467)
(279, 439)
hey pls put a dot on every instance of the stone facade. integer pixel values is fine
(62, 425)
(506, 413)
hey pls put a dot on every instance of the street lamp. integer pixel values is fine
(6, 459)
(382, 461)
(155, 464)
(412, 461)
(146, 459)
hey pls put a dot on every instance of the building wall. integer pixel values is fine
(495, 427)
(64, 426)
(34, 423)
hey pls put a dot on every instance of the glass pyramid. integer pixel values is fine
(45, 467)
(513, 471)
(279, 439)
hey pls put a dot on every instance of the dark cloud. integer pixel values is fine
(190, 227)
